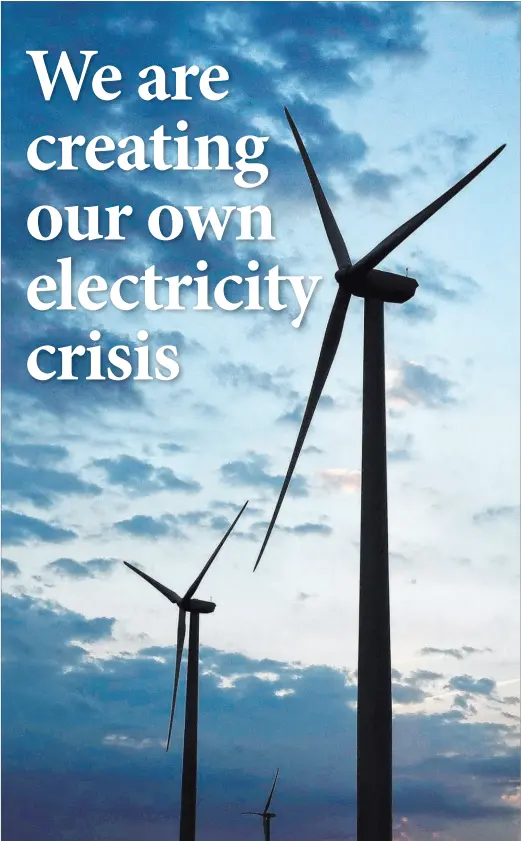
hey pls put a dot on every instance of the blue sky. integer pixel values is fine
(395, 101)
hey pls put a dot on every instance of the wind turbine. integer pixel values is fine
(266, 815)
(187, 604)
(374, 709)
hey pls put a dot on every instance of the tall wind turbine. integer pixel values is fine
(374, 712)
(266, 815)
(187, 604)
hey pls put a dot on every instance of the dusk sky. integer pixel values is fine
(395, 102)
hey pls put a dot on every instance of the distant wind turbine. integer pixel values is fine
(374, 709)
(187, 604)
(266, 815)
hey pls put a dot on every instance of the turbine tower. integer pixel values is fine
(187, 604)
(374, 711)
(266, 815)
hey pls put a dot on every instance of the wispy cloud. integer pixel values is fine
(136, 476)
(375, 184)
(152, 528)
(496, 513)
(10, 569)
(457, 653)
(43, 486)
(340, 479)
(415, 385)
(253, 472)
(19, 529)
(472, 686)
(69, 568)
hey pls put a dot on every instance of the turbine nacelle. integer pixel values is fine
(197, 606)
(385, 286)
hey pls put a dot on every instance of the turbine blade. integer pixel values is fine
(166, 591)
(191, 590)
(384, 248)
(334, 236)
(260, 814)
(270, 798)
(328, 351)
(181, 631)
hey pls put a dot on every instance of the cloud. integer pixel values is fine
(173, 525)
(178, 339)
(373, 183)
(494, 11)
(294, 416)
(131, 26)
(245, 376)
(402, 451)
(219, 523)
(472, 686)
(73, 723)
(463, 702)
(457, 653)
(31, 623)
(459, 144)
(38, 455)
(206, 410)
(10, 569)
(140, 477)
(152, 528)
(309, 528)
(414, 312)
(407, 694)
(421, 676)
(43, 486)
(300, 529)
(195, 518)
(340, 479)
(19, 529)
(171, 447)
(496, 514)
(437, 279)
(252, 472)
(414, 385)
(69, 568)
(234, 507)
(438, 149)
(437, 138)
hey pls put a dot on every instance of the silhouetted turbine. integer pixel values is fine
(374, 750)
(266, 815)
(187, 604)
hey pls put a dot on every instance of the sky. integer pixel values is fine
(395, 102)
